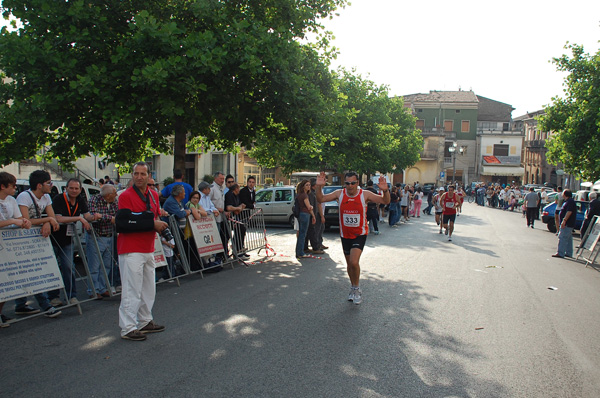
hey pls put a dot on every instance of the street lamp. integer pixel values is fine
(452, 149)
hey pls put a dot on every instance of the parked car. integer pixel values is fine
(548, 215)
(583, 195)
(427, 187)
(276, 204)
(331, 210)
(58, 187)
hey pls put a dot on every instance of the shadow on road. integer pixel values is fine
(275, 329)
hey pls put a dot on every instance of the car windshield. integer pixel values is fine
(327, 190)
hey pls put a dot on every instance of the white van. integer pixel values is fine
(58, 186)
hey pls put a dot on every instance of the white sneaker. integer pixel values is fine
(449, 239)
(73, 300)
(351, 294)
(113, 290)
(357, 296)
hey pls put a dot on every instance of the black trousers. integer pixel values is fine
(532, 212)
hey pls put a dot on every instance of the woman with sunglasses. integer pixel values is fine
(353, 221)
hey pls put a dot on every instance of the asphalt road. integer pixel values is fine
(468, 318)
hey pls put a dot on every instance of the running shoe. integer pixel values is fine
(351, 294)
(440, 231)
(446, 232)
(449, 239)
(357, 296)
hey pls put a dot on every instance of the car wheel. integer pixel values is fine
(551, 226)
(291, 221)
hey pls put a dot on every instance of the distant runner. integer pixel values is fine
(450, 202)
(438, 207)
(353, 221)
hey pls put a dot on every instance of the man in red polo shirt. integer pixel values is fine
(135, 246)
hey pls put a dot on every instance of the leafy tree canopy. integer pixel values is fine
(575, 119)
(368, 131)
(120, 77)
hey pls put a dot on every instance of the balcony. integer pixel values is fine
(429, 155)
(535, 144)
(432, 131)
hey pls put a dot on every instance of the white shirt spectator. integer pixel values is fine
(9, 209)
(24, 199)
(217, 196)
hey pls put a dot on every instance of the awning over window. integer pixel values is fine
(503, 171)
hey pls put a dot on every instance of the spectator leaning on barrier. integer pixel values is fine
(205, 202)
(33, 203)
(103, 207)
(137, 222)
(174, 205)
(195, 206)
(217, 196)
(248, 193)
(10, 216)
(70, 208)
(234, 205)
(229, 181)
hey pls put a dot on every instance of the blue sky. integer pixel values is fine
(500, 50)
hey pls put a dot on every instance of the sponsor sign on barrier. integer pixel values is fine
(27, 264)
(159, 254)
(206, 235)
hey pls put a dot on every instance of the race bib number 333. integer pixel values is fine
(351, 220)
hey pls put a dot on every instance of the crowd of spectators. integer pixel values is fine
(59, 215)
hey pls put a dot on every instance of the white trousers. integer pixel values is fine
(139, 290)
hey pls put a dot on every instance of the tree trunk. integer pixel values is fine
(179, 148)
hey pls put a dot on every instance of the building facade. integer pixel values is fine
(448, 124)
(499, 144)
(536, 168)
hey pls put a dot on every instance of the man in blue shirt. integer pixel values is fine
(568, 215)
(178, 177)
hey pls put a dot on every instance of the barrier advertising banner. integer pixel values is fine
(27, 264)
(206, 235)
(159, 254)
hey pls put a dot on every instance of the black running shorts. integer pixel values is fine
(356, 243)
(448, 217)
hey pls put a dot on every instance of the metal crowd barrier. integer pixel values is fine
(245, 232)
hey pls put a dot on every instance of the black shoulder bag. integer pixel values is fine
(128, 221)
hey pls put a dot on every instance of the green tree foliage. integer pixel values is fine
(575, 119)
(368, 131)
(120, 78)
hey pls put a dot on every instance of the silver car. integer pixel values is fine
(276, 204)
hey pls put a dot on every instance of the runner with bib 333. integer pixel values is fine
(354, 228)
